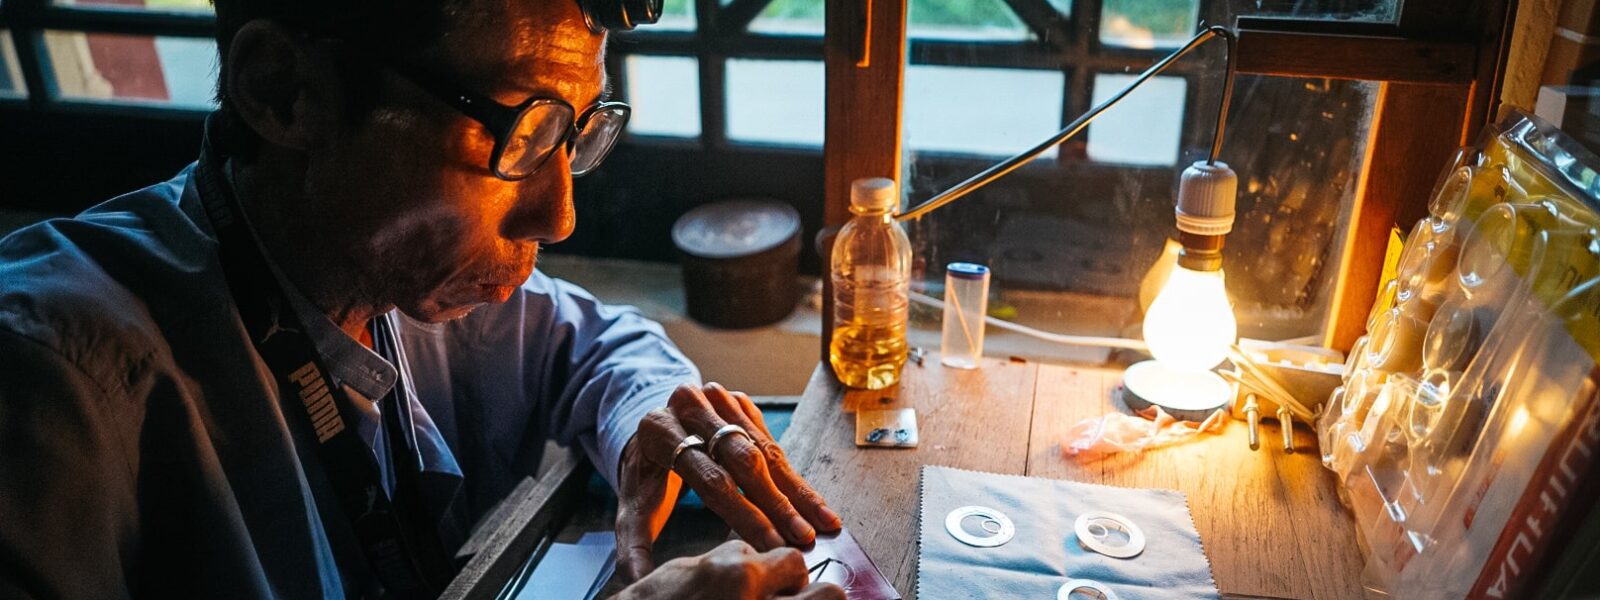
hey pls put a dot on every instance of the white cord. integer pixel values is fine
(1069, 340)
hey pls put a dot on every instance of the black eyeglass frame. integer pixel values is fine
(501, 120)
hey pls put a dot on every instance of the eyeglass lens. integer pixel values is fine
(538, 131)
(600, 132)
(542, 128)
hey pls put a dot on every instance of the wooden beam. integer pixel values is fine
(1367, 57)
(1415, 129)
(862, 130)
(531, 512)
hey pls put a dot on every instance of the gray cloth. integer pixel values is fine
(1045, 552)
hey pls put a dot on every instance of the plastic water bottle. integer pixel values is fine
(871, 283)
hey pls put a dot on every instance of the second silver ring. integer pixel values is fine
(725, 431)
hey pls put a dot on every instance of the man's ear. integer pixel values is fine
(283, 86)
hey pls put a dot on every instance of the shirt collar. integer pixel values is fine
(348, 362)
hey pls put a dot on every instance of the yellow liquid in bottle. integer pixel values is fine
(868, 355)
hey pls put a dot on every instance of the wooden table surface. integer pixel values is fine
(1271, 522)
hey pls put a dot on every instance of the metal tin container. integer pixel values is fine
(741, 259)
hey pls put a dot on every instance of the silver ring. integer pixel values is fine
(725, 431)
(692, 441)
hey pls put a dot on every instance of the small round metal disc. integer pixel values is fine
(1110, 534)
(1079, 589)
(1186, 395)
(990, 527)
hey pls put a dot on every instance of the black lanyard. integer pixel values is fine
(401, 545)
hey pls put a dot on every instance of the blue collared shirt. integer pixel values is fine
(145, 451)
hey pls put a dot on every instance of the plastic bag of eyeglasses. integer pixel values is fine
(1464, 405)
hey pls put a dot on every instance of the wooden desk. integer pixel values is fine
(1271, 522)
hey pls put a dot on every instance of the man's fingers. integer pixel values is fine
(749, 467)
(752, 412)
(648, 494)
(784, 572)
(805, 499)
(660, 433)
(633, 545)
(747, 461)
(734, 547)
(820, 591)
(796, 493)
(718, 490)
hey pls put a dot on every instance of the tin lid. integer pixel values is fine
(961, 270)
(735, 228)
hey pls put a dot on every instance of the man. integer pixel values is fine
(304, 367)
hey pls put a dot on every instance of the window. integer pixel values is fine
(1070, 236)
(11, 85)
(130, 56)
(665, 92)
(778, 101)
(111, 67)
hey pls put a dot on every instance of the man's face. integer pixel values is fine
(406, 190)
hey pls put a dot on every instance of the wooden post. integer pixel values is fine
(1412, 137)
(865, 54)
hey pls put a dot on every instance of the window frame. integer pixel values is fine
(28, 20)
(1437, 84)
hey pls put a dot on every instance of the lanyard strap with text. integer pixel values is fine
(403, 549)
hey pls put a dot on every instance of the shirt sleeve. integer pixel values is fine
(609, 365)
(67, 510)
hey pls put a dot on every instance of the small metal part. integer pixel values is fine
(996, 525)
(1079, 589)
(876, 435)
(917, 355)
(1286, 425)
(1252, 415)
(1110, 534)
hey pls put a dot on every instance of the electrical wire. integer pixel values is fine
(1082, 122)
(1058, 338)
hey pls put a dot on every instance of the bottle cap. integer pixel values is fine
(874, 193)
(961, 270)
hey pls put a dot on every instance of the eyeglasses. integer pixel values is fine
(527, 134)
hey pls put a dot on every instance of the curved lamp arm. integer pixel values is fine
(1077, 125)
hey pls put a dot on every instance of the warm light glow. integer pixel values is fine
(1190, 325)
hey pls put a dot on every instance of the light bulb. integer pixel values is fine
(1190, 325)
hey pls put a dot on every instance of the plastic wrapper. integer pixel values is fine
(1117, 432)
(1478, 368)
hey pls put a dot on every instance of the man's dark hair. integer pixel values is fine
(387, 26)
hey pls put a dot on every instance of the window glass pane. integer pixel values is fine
(1148, 23)
(665, 94)
(1062, 6)
(184, 5)
(1070, 240)
(142, 69)
(11, 85)
(789, 17)
(1143, 129)
(1352, 10)
(965, 20)
(776, 101)
(936, 19)
(993, 112)
(676, 15)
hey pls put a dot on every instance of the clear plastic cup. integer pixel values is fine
(966, 301)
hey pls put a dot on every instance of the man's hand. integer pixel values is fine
(776, 507)
(733, 571)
